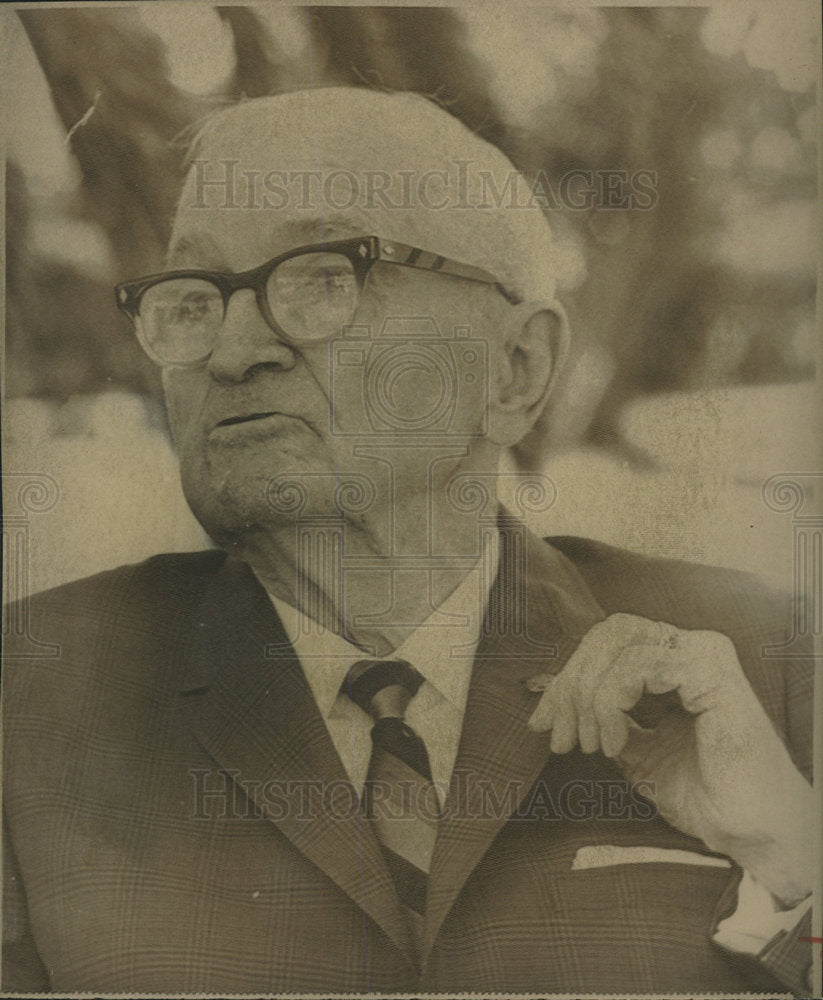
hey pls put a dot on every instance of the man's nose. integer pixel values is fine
(246, 342)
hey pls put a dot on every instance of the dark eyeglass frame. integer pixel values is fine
(362, 251)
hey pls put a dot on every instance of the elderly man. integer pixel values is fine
(383, 739)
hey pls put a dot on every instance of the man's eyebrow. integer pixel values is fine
(201, 247)
(194, 248)
(327, 228)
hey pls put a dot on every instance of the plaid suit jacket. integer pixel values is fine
(178, 820)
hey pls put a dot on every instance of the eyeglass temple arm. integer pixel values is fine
(409, 256)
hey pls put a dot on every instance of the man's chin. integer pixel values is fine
(266, 502)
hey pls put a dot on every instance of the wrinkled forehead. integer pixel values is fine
(329, 163)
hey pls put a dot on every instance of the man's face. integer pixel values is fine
(260, 408)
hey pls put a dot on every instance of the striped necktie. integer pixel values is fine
(399, 797)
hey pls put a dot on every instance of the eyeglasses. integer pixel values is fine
(305, 295)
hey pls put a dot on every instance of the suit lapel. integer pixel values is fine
(539, 609)
(256, 716)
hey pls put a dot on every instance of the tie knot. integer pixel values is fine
(383, 688)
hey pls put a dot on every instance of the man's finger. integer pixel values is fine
(564, 726)
(592, 659)
(541, 718)
(637, 670)
(618, 692)
(614, 734)
(612, 634)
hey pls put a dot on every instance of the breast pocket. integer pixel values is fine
(609, 855)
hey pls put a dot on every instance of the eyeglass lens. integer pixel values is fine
(310, 297)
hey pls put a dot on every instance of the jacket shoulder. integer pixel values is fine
(157, 580)
(125, 619)
(690, 595)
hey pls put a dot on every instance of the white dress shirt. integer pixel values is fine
(442, 653)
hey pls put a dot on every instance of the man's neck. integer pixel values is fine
(351, 581)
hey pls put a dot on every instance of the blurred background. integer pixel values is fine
(691, 379)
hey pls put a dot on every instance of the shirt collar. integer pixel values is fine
(443, 653)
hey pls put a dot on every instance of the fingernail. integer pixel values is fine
(540, 682)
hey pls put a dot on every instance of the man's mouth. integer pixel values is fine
(246, 417)
(259, 425)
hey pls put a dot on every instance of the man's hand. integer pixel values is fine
(718, 768)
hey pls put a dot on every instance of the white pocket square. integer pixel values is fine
(606, 855)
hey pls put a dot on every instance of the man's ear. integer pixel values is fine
(535, 343)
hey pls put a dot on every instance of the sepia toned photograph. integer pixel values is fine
(412, 521)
